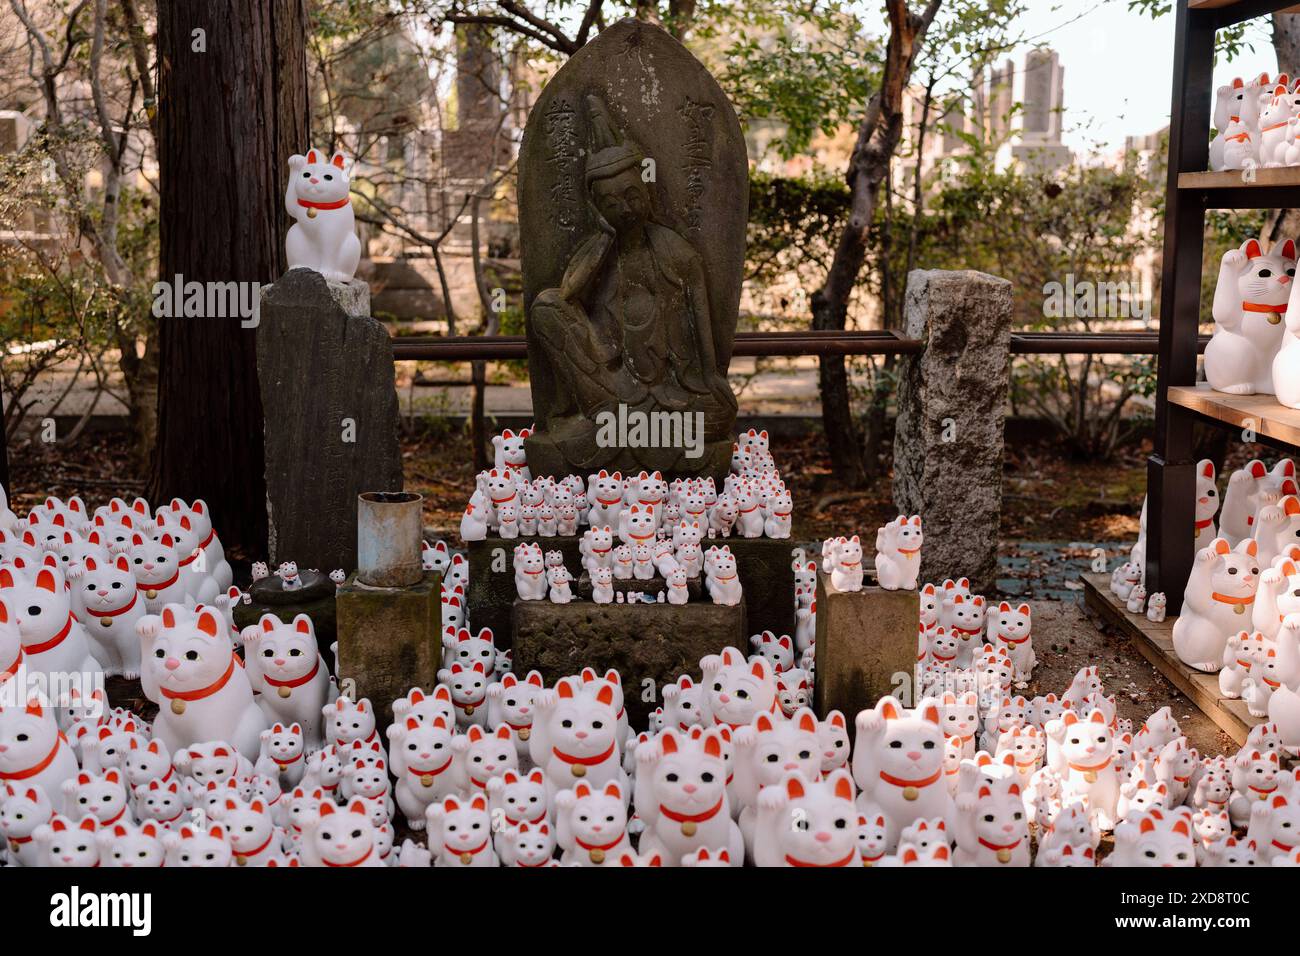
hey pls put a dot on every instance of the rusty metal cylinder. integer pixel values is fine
(389, 530)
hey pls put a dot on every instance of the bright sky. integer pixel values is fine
(1119, 65)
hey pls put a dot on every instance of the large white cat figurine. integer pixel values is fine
(324, 237)
(1250, 302)
(898, 763)
(191, 671)
(1217, 602)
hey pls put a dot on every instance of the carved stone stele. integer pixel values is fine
(633, 198)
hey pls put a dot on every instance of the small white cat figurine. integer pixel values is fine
(898, 553)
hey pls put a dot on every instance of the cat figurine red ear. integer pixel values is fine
(323, 237)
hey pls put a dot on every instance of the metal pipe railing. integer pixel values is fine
(498, 348)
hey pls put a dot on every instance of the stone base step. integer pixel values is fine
(646, 643)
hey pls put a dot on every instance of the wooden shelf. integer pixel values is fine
(1222, 4)
(1155, 642)
(1235, 179)
(1260, 413)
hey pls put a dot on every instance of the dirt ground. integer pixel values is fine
(1068, 637)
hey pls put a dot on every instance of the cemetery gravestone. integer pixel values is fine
(325, 369)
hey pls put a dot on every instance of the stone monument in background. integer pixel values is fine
(633, 199)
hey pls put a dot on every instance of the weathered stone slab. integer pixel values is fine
(390, 639)
(325, 370)
(952, 399)
(866, 646)
(656, 642)
(762, 563)
(765, 574)
(633, 164)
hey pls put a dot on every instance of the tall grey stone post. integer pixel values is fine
(325, 370)
(952, 401)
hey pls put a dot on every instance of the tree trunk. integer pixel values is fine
(878, 139)
(229, 118)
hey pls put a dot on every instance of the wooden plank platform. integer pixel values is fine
(1155, 643)
(1262, 413)
(1239, 179)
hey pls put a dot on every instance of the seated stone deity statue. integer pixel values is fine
(630, 323)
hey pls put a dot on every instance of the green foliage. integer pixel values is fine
(793, 222)
(1228, 42)
(58, 312)
(808, 66)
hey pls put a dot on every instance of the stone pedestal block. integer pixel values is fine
(655, 642)
(325, 370)
(866, 646)
(764, 568)
(390, 639)
(762, 563)
(951, 405)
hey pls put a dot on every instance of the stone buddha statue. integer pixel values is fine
(629, 329)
